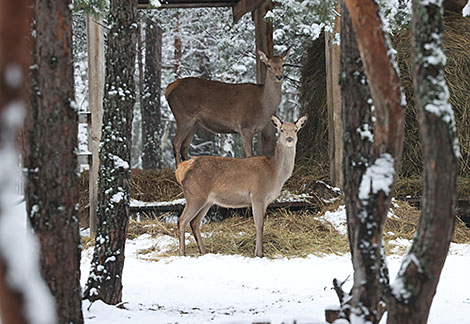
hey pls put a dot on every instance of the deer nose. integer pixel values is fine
(280, 77)
(289, 140)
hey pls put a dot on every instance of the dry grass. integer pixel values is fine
(286, 234)
(413, 187)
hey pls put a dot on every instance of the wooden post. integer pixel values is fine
(95, 92)
(335, 124)
(264, 38)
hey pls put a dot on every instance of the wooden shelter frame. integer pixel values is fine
(95, 36)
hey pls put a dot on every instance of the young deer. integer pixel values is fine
(236, 183)
(227, 108)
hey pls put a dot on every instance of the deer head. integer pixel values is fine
(288, 131)
(275, 65)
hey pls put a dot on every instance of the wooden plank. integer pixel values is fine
(95, 37)
(158, 208)
(335, 124)
(264, 38)
(84, 158)
(243, 7)
(84, 117)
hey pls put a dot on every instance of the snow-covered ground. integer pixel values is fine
(235, 289)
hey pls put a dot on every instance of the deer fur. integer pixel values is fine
(227, 108)
(236, 183)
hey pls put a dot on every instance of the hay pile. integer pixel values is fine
(313, 144)
(287, 234)
(149, 185)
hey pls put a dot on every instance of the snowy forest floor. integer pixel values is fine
(230, 286)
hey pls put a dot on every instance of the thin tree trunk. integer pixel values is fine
(415, 286)
(151, 109)
(105, 280)
(52, 182)
(13, 52)
(371, 158)
(364, 224)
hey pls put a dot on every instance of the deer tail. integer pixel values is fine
(171, 87)
(182, 169)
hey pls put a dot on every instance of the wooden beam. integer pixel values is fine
(264, 38)
(243, 7)
(178, 207)
(335, 123)
(95, 37)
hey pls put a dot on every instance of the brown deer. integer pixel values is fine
(227, 108)
(235, 183)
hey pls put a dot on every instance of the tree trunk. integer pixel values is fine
(364, 223)
(151, 109)
(51, 161)
(415, 286)
(371, 156)
(14, 27)
(105, 280)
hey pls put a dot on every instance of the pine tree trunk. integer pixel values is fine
(52, 182)
(151, 109)
(364, 224)
(415, 286)
(14, 18)
(105, 280)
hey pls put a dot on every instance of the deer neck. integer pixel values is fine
(283, 162)
(272, 94)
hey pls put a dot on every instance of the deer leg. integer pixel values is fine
(187, 142)
(196, 225)
(192, 208)
(247, 142)
(180, 136)
(259, 209)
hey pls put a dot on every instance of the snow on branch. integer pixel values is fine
(378, 177)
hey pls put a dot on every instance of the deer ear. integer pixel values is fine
(263, 57)
(301, 122)
(285, 54)
(276, 121)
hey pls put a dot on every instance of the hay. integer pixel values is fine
(413, 188)
(154, 185)
(313, 142)
(286, 234)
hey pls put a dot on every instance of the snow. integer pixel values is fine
(13, 75)
(466, 10)
(233, 289)
(18, 248)
(337, 219)
(378, 177)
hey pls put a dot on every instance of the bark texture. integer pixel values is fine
(105, 280)
(383, 77)
(365, 223)
(14, 49)
(151, 108)
(50, 158)
(415, 286)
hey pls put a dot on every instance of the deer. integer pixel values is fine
(236, 183)
(227, 108)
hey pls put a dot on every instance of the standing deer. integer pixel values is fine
(235, 183)
(227, 108)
